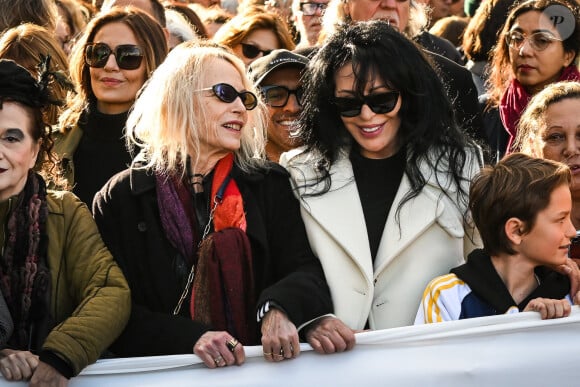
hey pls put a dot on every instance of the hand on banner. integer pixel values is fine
(279, 337)
(219, 349)
(330, 335)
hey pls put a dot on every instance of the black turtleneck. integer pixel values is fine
(377, 181)
(101, 153)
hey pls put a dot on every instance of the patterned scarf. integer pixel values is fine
(222, 294)
(24, 274)
(515, 99)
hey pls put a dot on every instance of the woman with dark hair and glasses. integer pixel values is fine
(254, 33)
(206, 231)
(382, 180)
(537, 46)
(108, 65)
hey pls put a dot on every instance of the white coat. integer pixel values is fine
(430, 238)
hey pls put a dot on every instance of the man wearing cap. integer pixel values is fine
(277, 76)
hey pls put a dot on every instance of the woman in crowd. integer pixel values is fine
(25, 45)
(531, 52)
(254, 33)
(208, 234)
(109, 64)
(409, 17)
(67, 296)
(382, 181)
(550, 128)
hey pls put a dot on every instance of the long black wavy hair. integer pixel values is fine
(428, 130)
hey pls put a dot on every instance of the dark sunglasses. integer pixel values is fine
(277, 96)
(128, 56)
(379, 103)
(250, 51)
(227, 93)
(309, 9)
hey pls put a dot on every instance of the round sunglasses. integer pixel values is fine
(379, 103)
(251, 51)
(128, 56)
(227, 93)
(277, 96)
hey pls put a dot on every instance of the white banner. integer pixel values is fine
(494, 351)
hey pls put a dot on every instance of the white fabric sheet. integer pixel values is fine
(512, 350)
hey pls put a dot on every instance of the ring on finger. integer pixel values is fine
(267, 353)
(232, 344)
(218, 360)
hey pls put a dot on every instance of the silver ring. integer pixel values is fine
(218, 360)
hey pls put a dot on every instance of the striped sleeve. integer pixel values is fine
(442, 300)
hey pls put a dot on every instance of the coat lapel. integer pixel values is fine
(343, 220)
(414, 218)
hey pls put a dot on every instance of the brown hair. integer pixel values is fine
(240, 26)
(24, 45)
(501, 72)
(519, 186)
(150, 38)
(39, 12)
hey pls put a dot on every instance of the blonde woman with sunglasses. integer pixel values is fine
(207, 232)
(382, 179)
(109, 64)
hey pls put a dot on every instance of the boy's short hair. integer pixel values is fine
(519, 186)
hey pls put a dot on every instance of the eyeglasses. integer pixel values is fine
(379, 103)
(538, 41)
(250, 51)
(309, 9)
(277, 96)
(227, 93)
(128, 56)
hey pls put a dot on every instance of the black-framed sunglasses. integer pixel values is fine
(309, 9)
(379, 103)
(227, 93)
(128, 56)
(250, 51)
(277, 96)
(539, 41)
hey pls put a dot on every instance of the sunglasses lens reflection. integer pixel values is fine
(227, 93)
(378, 103)
(128, 56)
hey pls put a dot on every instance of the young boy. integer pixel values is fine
(521, 207)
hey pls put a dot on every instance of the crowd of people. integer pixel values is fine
(195, 178)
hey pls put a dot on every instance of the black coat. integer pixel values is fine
(463, 95)
(285, 269)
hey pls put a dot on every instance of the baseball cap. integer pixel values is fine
(261, 67)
